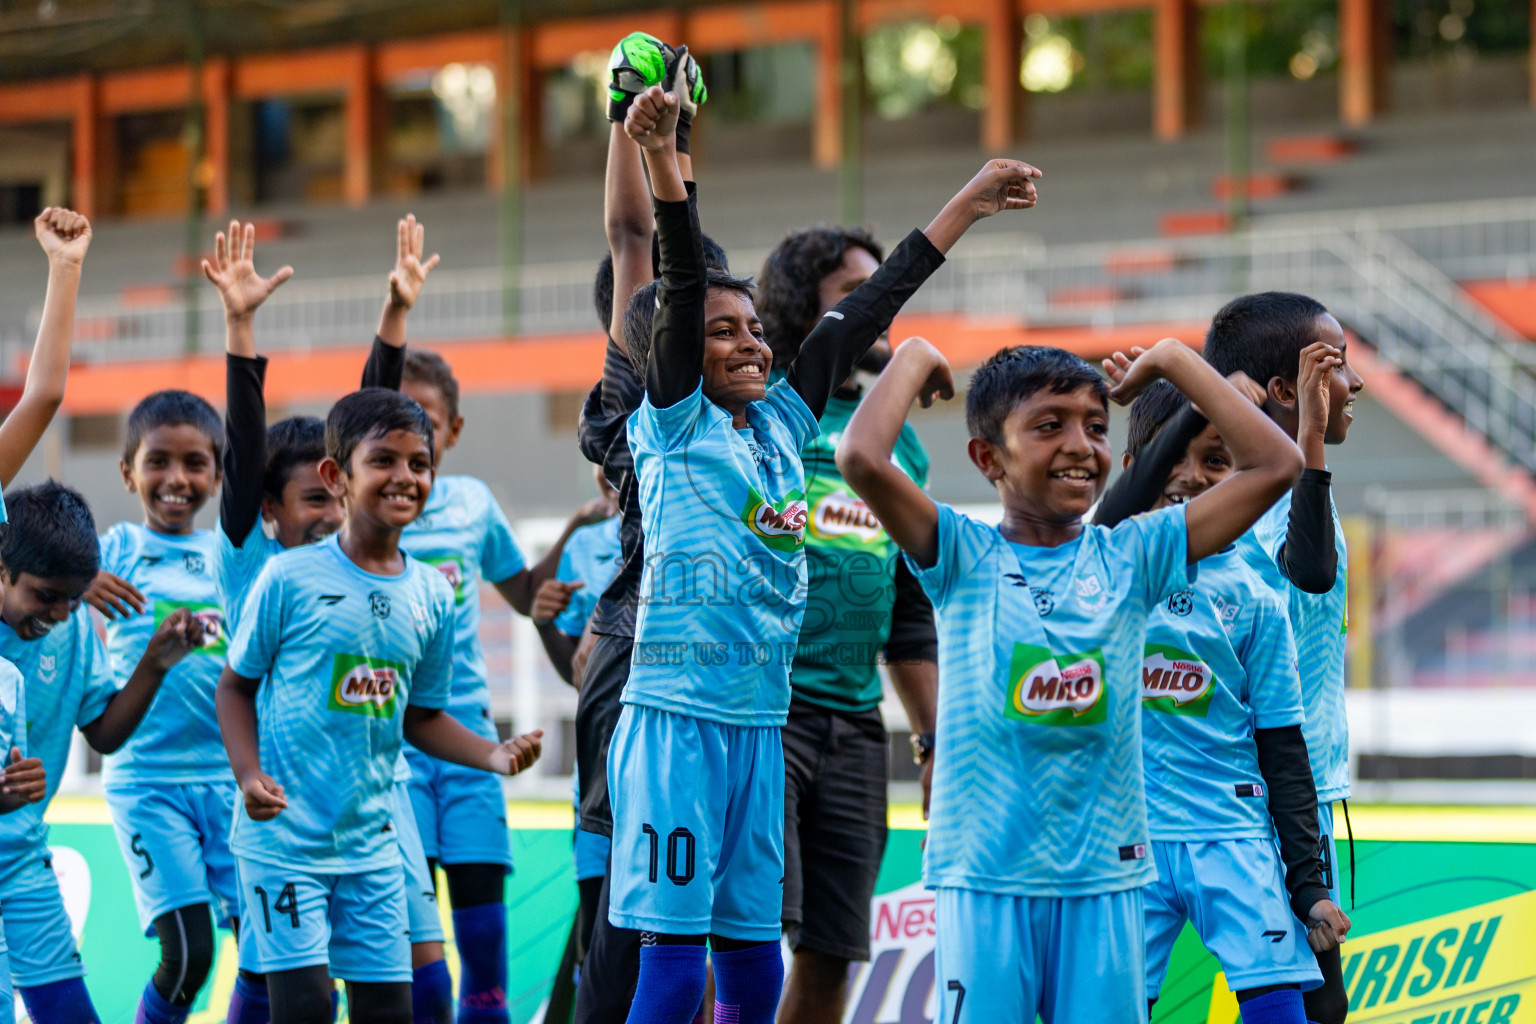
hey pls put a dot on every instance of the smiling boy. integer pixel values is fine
(344, 649)
(1041, 626)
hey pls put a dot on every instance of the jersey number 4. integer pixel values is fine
(287, 903)
(680, 846)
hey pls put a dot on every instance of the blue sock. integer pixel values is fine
(59, 1002)
(1283, 1006)
(156, 1009)
(432, 994)
(671, 985)
(747, 984)
(248, 1004)
(481, 935)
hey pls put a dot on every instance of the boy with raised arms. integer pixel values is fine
(1037, 844)
(717, 454)
(273, 474)
(1295, 350)
(344, 647)
(1226, 764)
(48, 558)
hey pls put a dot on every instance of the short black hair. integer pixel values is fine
(1013, 374)
(370, 413)
(173, 409)
(640, 316)
(291, 442)
(431, 369)
(602, 284)
(52, 534)
(1263, 334)
(1158, 404)
(789, 288)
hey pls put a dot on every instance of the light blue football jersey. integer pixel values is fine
(343, 652)
(68, 684)
(465, 535)
(238, 568)
(723, 590)
(1037, 780)
(178, 741)
(1320, 624)
(591, 556)
(1219, 663)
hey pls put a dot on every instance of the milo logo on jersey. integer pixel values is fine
(452, 568)
(840, 519)
(780, 525)
(361, 685)
(208, 616)
(1176, 682)
(1056, 689)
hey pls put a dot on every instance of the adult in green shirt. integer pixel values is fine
(863, 607)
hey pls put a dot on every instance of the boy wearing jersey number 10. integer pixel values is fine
(344, 647)
(1226, 764)
(1042, 623)
(700, 857)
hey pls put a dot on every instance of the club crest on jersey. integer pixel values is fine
(780, 525)
(1052, 689)
(378, 603)
(1091, 593)
(193, 562)
(1176, 682)
(361, 685)
(209, 616)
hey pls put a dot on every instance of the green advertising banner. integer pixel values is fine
(1445, 931)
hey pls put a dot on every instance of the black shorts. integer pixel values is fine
(597, 713)
(834, 826)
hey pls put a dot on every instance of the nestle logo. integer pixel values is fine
(907, 919)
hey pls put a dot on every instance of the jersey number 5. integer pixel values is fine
(287, 903)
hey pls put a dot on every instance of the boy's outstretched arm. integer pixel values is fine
(628, 223)
(242, 291)
(846, 332)
(171, 642)
(438, 734)
(552, 599)
(917, 371)
(677, 335)
(65, 236)
(1267, 461)
(1308, 557)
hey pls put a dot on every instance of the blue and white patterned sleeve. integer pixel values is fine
(432, 680)
(95, 669)
(1159, 543)
(254, 648)
(1274, 682)
(501, 557)
(659, 431)
(961, 545)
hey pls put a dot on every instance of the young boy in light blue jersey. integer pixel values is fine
(50, 556)
(1226, 764)
(1037, 842)
(717, 455)
(461, 812)
(344, 647)
(1295, 350)
(169, 789)
(272, 476)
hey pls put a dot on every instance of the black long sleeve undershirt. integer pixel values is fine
(1143, 481)
(245, 446)
(1287, 774)
(846, 331)
(1308, 558)
(677, 333)
(913, 634)
(385, 367)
